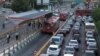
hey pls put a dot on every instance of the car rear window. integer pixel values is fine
(89, 54)
(53, 48)
(74, 42)
(69, 49)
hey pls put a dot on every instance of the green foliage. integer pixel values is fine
(20, 5)
(96, 17)
(96, 14)
(98, 26)
(32, 3)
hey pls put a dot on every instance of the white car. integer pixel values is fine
(89, 53)
(89, 34)
(92, 47)
(46, 10)
(74, 43)
(63, 31)
(41, 10)
(68, 55)
(87, 38)
(70, 22)
(53, 50)
(69, 50)
(60, 35)
(70, 13)
(90, 19)
(79, 19)
(91, 41)
(68, 28)
(77, 24)
(57, 40)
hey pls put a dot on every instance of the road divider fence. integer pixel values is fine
(11, 50)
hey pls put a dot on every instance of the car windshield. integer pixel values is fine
(77, 24)
(69, 49)
(90, 27)
(51, 48)
(90, 33)
(55, 39)
(92, 46)
(91, 40)
(90, 37)
(89, 54)
(67, 26)
(70, 22)
(73, 42)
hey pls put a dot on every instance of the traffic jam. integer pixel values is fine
(76, 37)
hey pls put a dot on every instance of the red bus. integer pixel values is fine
(83, 12)
(63, 15)
(51, 25)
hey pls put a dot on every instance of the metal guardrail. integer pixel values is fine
(16, 47)
(3, 38)
(23, 30)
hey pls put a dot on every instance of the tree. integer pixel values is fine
(96, 14)
(20, 5)
(96, 17)
(32, 3)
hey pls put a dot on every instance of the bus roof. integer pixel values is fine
(24, 16)
(28, 15)
(53, 19)
(87, 23)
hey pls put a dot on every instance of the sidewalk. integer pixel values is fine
(24, 32)
(8, 25)
(14, 41)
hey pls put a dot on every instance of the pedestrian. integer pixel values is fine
(17, 36)
(34, 24)
(3, 25)
(79, 41)
(8, 38)
(38, 25)
(29, 24)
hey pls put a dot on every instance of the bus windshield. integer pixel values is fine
(89, 27)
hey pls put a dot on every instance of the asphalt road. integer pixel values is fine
(34, 45)
(82, 45)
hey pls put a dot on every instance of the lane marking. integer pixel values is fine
(45, 45)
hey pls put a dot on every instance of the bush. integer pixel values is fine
(96, 14)
(96, 17)
(20, 5)
(98, 26)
